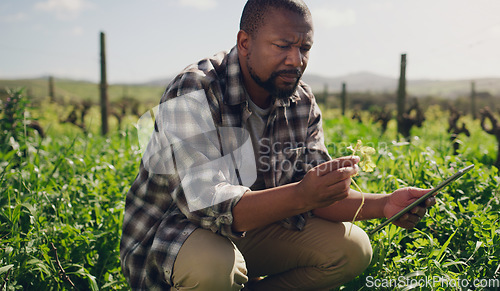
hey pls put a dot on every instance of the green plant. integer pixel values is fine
(69, 190)
(367, 165)
(61, 209)
(13, 110)
(455, 242)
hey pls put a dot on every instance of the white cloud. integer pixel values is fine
(64, 9)
(495, 31)
(331, 17)
(77, 31)
(199, 4)
(14, 17)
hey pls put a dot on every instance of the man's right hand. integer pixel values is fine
(328, 182)
(320, 187)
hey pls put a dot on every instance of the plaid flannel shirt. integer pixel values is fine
(157, 219)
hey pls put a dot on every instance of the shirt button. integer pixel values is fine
(184, 233)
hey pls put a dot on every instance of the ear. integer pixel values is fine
(243, 43)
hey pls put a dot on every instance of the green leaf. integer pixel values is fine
(366, 150)
(440, 255)
(93, 283)
(367, 165)
(6, 268)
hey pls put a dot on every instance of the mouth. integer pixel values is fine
(289, 78)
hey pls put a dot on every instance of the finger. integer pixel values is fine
(340, 190)
(404, 224)
(338, 163)
(338, 175)
(350, 171)
(413, 218)
(430, 202)
(417, 192)
(419, 211)
(408, 221)
(408, 225)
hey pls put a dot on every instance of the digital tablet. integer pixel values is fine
(423, 198)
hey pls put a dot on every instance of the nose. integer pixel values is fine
(295, 58)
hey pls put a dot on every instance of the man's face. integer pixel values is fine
(279, 52)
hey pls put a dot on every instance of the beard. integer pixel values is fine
(270, 84)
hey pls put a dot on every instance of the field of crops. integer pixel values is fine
(62, 201)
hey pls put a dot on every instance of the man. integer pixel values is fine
(192, 226)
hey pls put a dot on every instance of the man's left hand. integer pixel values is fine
(401, 198)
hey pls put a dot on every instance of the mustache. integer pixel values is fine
(295, 72)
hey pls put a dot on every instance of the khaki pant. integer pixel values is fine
(320, 257)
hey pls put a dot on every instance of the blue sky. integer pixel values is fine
(154, 39)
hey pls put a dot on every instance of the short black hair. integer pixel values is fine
(253, 15)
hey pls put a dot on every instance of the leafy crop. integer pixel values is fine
(458, 240)
(62, 201)
(61, 210)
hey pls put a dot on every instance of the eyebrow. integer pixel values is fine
(307, 42)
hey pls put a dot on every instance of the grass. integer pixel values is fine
(63, 197)
(458, 240)
(68, 192)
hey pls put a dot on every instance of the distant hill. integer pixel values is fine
(369, 82)
(69, 90)
(359, 82)
(454, 88)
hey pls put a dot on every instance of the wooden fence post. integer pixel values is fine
(401, 93)
(325, 95)
(343, 99)
(52, 90)
(473, 100)
(104, 88)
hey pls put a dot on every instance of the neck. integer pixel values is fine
(261, 102)
(259, 95)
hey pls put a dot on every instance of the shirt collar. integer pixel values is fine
(235, 90)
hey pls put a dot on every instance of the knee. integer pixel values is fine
(217, 267)
(352, 255)
(218, 275)
(358, 252)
